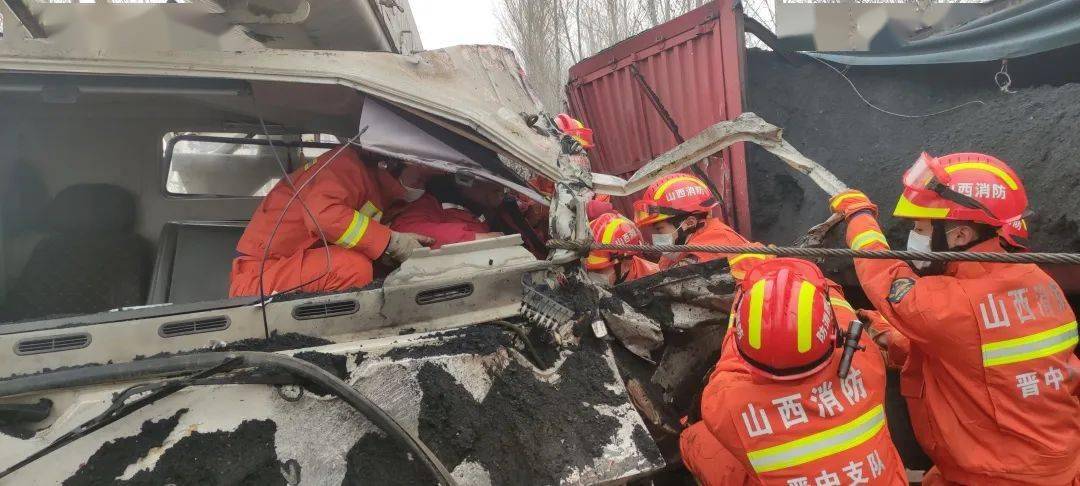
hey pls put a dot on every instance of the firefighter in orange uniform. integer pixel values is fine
(775, 402)
(615, 267)
(677, 208)
(990, 377)
(347, 199)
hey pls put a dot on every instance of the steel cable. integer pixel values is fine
(584, 247)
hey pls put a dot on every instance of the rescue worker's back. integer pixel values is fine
(775, 402)
(990, 376)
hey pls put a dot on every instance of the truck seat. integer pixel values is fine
(90, 260)
(193, 261)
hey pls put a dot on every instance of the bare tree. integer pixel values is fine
(531, 28)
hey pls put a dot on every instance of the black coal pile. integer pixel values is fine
(473, 340)
(110, 461)
(243, 456)
(332, 363)
(378, 459)
(277, 342)
(1034, 130)
(525, 431)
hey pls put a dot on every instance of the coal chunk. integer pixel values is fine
(113, 457)
(525, 431)
(245, 456)
(474, 340)
(379, 460)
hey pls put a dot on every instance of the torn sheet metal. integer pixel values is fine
(748, 127)
(685, 364)
(635, 331)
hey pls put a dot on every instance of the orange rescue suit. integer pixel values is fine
(347, 198)
(989, 376)
(640, 268)
(816, 430)
(715, 232)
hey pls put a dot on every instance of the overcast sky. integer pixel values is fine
(451, 22)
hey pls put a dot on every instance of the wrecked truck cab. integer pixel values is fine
(117, 239)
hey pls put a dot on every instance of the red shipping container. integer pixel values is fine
(694, 63)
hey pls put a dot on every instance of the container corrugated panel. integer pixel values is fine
(694, 64)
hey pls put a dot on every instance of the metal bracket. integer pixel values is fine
(27, 18)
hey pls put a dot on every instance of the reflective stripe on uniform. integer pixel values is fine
(355, 232)
(370, 210)
(819, 445)
(843, 197)
(734, 260)
(807, 292)
(1030, 347)
(838, 302)
(757, 303)
(663, 187)
(867, 237)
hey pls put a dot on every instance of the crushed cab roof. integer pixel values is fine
(479, 92)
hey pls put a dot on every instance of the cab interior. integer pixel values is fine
(122, 192)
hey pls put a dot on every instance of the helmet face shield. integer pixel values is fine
(922, 176)
(646, 213)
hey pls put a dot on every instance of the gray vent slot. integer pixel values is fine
(198, 326)
(326, 309)
(52, 344)
(443, 294)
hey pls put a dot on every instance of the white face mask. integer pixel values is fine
(411, 193)
(663, 239)
(918, 242)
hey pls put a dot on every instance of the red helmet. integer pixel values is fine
(611, 228)
(575, 129)
(966, 187)
(673, 195)
(783, 322)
